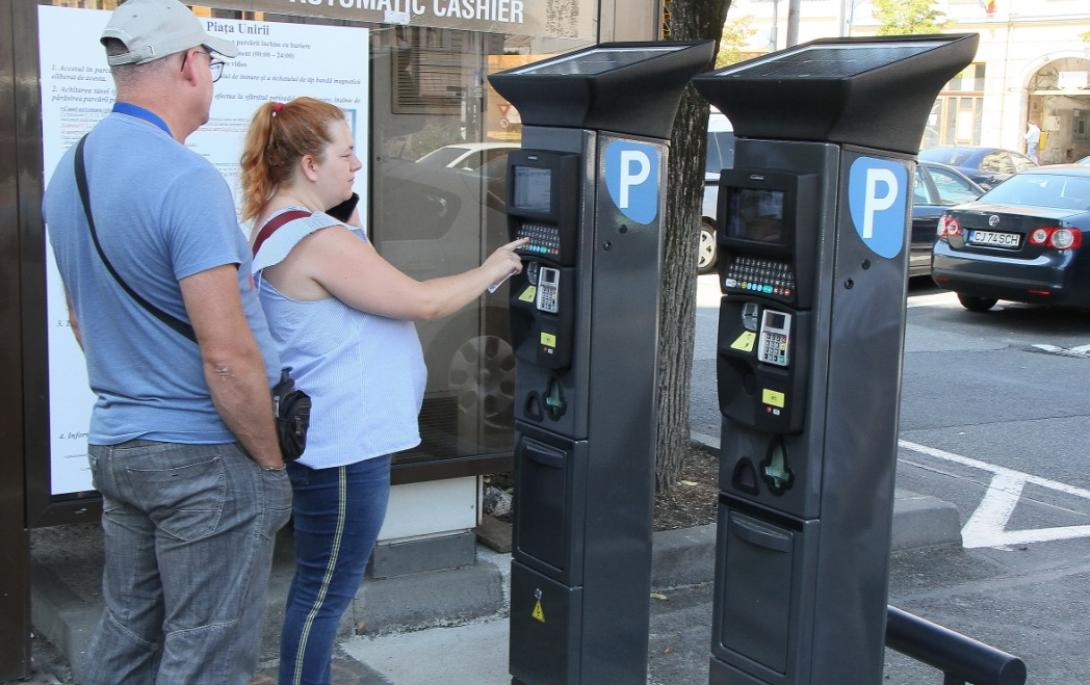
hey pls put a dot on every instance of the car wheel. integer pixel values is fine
(708, 252)
(481, 373)
(976, 304)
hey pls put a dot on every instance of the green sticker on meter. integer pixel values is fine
(548, 340)
(773, 398)
(529, 294)
(744, 342)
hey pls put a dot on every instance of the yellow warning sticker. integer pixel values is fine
(529, 294)
(773, 398)
(538, 612)
(548, 339)
(744, 342)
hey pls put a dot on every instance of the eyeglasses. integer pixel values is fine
(216, 65)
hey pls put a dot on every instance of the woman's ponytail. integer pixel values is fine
(279, 135)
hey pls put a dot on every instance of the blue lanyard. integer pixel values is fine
(141, 113)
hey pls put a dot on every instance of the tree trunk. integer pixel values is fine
(688, 20)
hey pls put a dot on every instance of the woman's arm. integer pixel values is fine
(352, 270)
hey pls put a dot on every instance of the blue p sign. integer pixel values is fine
(877, 201)
(632, 178)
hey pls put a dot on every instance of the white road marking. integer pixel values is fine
(943, 299)
(987, 527)
(1081, 352)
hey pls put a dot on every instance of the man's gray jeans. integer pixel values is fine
(189, 533)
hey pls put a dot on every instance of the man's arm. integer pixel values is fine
(73, 322)
(233, 365)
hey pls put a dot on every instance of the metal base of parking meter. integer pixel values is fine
(812, 242)
(588, 189)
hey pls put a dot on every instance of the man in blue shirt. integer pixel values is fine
(182, 445)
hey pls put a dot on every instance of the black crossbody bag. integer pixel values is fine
(291, 407)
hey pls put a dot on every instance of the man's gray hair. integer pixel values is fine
(126, 75)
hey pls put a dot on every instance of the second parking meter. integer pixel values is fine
(588, 189)
(812, 229)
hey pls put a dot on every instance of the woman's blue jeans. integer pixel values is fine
(337, 514)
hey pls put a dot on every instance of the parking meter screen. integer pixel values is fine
(756, 215)
(533, 192)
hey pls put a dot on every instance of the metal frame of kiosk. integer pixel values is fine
(588, 189)
(813, 267)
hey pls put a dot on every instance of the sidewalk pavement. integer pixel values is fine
(394, 621)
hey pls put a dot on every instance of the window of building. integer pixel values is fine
(956, 117)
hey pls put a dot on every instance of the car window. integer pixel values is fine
(945, 155)
(1021, 162)
(919, 189)
(952, 189)
(1042, 190)
(997, 163)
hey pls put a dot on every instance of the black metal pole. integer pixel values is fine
(962, 659)
(14, 539)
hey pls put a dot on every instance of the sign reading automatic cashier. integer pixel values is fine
(506, 11)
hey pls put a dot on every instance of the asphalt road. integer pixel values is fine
(994, 418)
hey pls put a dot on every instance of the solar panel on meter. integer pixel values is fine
(594, 62)
(831, 61)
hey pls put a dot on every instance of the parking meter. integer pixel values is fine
(813, 267)
(588, 189)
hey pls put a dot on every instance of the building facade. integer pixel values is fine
(1033, 65)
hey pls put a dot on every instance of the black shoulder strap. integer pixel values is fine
(173, 322)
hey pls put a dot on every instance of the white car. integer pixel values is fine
(468, 156)
(720, 156)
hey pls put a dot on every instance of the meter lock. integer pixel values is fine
(774, 345)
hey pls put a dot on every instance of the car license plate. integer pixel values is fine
(993, 239)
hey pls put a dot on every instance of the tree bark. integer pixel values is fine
(688, 20)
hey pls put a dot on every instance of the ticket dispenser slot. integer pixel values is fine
(542, 205)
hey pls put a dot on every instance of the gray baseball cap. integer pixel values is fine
(152, 29)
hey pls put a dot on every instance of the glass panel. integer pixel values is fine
(439, 187)
(439, 141)
(713, 163)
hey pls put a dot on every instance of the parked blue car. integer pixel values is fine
(986, 166)
(1027, 240)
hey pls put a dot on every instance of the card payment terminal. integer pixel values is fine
(774, 344)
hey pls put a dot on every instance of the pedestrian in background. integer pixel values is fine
(1033, 140)
(182, 445)
(341, 316)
